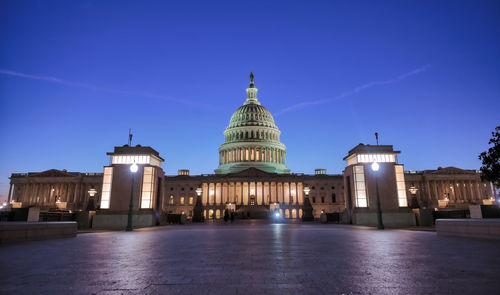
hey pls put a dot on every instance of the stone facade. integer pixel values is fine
(252, 180)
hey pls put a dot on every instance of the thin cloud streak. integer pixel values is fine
(304, 104)
(103, 89)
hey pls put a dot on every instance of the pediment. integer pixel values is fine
(450, 170)
(252, 172)
(53, 173)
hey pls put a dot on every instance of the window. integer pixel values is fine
(322, 199)
(313, 187)
(171, 188)
(171, 201)
(368, 158)
(129, 159)
(334, 198)
(359, 186)
(333, 187)
(106, 187)
(321, 188)
(147, 188)
(400, 183)
(314, 199)
(182, 188)
(182, 200)
(190, 200)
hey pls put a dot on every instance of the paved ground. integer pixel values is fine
(253, 258)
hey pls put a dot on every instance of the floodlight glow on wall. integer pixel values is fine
(134, 168)
(375, 166)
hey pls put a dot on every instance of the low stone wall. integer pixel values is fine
(479, 228)
(390, 219)
(118, 219)
(13, 231)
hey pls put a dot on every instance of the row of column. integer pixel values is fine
(218, 214)
(466, 190)
(252, 193)
(46, 194)
(273, 155)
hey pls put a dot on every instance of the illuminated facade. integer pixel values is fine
(252, 181)
(252, 139)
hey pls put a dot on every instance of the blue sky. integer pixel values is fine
(76, 75)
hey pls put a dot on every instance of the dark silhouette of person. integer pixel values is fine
(232, 217)
(226, 216)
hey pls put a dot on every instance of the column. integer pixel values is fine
(272, 192)
(216, 195)
(436, 193)
(242, 190)
(427, 191)
(258, 193)
(478, 191)
(464, 190)
(75, 195)
(471, 191)
(246, 190)
(10, 193)
(295, 194)
(263, 192)
(300, 193)
(210, 194)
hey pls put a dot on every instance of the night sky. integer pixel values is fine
(76, 75)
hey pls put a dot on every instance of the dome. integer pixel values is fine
(252, 139)
(252, 115)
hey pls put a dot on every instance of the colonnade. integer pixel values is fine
(46, 194)
(456, 191)
(272, 155)
(252, 193)
(286, 213)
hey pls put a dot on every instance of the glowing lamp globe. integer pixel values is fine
(199, 191)
(277, 214)
(134, 168)
(375, 166)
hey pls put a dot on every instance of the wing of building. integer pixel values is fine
(251, 181)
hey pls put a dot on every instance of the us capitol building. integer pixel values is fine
(252, 181)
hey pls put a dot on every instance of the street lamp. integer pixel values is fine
(133, 169)
(307, 190)
(199, 191)
(380, 224)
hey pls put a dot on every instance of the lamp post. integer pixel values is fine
(133, 169)
(307, 209)
(199, 191)
(380, 224)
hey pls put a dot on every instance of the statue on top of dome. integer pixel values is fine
(251, 80)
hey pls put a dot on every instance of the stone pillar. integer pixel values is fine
(464, 191)
(300, 193)
(75, 196)
(471, 191)
(10, 193)
(263, 193)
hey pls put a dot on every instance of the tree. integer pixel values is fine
(490, 170)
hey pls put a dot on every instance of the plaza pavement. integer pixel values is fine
(253, 258)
